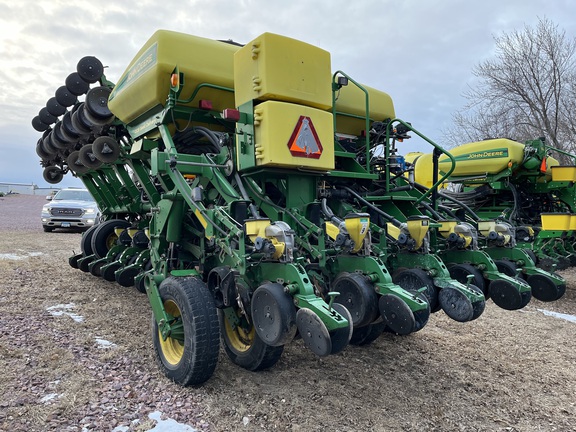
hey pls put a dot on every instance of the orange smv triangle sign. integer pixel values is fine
(304, 141)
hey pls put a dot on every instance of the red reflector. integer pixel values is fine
(231, 114)
(205, 104)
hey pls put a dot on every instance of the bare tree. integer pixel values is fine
(528, 90)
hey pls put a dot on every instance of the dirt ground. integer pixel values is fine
(76, 354)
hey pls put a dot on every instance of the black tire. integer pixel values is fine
(414, 279)
(104, 236)
(78, 125)
(87, 157)
(190, 357)
(86, 241)
(48, 228)
(460, 272)
(244, 347)
(106, 149)
(41, 151)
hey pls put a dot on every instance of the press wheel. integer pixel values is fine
(189, 354)
(460, 272)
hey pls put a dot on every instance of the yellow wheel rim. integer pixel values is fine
(172, 349)
(111, 241)
(239, 339)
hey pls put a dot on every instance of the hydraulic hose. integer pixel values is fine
(385, 215)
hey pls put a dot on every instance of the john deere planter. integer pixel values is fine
(256, 197)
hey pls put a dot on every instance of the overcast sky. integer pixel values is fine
(421, 52)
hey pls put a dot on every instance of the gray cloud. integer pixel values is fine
(421, 53)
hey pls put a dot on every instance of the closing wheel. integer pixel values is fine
(415, 279)
(189, 354)
(74, 163)
(456, 305)
(397, 314)
(273, 314)
(544, 288)
(313, 332)
(106, 149)
(357, 294)
(87, 157)
(505, 295)
(460, 272)
(53, 175)
(104, 236)
(54, 108)
(367, 334)
(242, 344)
(341, 336)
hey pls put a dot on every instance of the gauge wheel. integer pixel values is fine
(460, 272)
(415, 279)
(104, 236)
(243, 345)
(189, 354)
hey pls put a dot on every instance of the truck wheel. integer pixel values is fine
(189, 355)
(243, 345)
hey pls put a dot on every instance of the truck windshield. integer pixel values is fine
(76, 195)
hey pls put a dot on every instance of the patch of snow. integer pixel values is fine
(15, 257)
(103, 343)
(64, 309)
(121, 429)
(567, 317)
(168, 425)
(49, 397)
